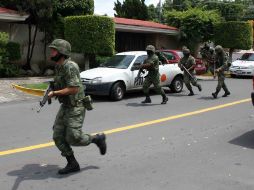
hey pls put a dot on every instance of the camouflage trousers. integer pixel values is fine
(156, 83)
(67, 129)
(188, 80)
(221, 83)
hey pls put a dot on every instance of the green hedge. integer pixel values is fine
(234, 34)
(7, 69)
(90, 34)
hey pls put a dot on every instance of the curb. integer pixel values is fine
(35, 92)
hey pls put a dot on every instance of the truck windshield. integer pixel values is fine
(119, 61)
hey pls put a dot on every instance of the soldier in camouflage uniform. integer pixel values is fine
(67, 129)
(188, 62)
(208, 57)
(221, 65)
(151, 64)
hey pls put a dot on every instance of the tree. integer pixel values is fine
(43, 16)
(196, 26)
(234, 35)
(74, 7)
(230, 11)
(134, 9)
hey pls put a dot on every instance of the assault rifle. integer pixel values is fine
(186, 70)
(45, 97)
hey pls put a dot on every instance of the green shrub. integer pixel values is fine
(99, 60)
(90, 34)
(7, 69)
(13, 51)
(234, 34)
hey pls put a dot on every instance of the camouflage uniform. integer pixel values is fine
(67, 129)
(153, 77)
(70, 117)
(221, 65)
(208, 57)
(189, 63)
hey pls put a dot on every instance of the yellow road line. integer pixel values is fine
(120, 129)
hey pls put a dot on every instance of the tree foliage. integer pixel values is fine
(46, 16)
(73, 7)
(195, 25)
(234, 34)
(133, 9)
(230, 11)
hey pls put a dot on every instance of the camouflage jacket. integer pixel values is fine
(187, 62)
(221, 61)
(153, 70)
(67, 75)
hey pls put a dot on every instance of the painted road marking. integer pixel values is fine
(120, 129)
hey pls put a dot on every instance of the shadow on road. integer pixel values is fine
(246, 140)
(134, 104)
(40, 172)
(206, 98)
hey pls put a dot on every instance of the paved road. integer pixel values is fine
(192, 143)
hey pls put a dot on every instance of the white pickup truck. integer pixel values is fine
(118, 76)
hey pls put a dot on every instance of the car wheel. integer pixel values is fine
(117, 91)
(177, 84)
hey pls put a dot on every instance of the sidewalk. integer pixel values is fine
(9, 94)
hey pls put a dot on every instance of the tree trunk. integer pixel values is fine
(86, 57)
(231, 50)
(30, 49)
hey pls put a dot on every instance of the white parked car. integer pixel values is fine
(244, 66)
(118, 76)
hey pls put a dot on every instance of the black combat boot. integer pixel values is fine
(215, 94)
(226, 94)
(199, 87)
(191, 93)
(72, 166)
(164, 99)
(147, 100)
(100, 141)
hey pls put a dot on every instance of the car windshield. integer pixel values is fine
(247, 57)
(119, 61)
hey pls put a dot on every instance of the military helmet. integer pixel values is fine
(150, 48)
(218, 48)
(211, 50)
(186, 51)
(62, 46)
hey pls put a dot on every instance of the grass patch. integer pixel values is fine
(41, 86)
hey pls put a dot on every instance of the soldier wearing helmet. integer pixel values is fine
(221, 65)
(151, 64)
(68, 89)
(187, 64)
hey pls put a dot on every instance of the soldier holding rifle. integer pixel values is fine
(187, 64)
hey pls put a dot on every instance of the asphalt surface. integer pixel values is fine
(192, 143)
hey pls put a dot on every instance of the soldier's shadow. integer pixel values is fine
(246, 140)
(134, 104)
(206, 98)
(39, 172)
